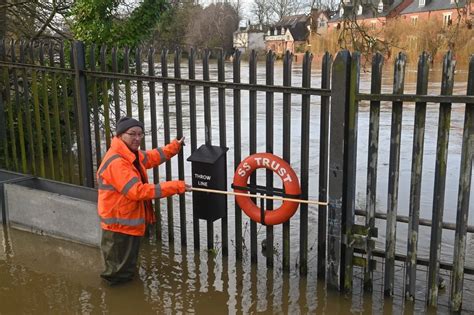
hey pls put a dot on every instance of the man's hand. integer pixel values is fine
(181, 141)
(188, 187)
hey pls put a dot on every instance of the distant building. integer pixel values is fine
(446, 11)
(319, 21)
(375, 13)
(371, 13)
(290, 33)
(249, 37)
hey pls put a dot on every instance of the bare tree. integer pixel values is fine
(283, 8)
(238, 7)
(34, 19)
(262, 11)
(213, 26)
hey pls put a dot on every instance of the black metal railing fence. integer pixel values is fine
(61, 102)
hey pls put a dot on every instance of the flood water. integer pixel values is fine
(44, 275)
(40, 274)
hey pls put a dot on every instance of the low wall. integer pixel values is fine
(54, 214)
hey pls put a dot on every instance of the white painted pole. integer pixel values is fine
(223, 192)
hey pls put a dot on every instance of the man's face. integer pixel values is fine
(132, 138)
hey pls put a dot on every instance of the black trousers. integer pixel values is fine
(120, 252)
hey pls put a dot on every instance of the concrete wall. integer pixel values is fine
(52, 214)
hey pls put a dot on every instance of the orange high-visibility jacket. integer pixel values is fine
(122, 193)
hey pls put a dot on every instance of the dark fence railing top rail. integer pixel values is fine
(416, 98)
(247, 86)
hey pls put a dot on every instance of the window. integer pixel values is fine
(380, 7)
(421, 3)
(447, 19)
(373, 25)
(414, 20)
(413, 42)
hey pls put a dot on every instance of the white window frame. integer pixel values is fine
(414, 20)
(421, 3)
(447, 17)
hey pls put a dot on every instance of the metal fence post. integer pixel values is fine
(339, 106)
(3, 133)
(85, 151)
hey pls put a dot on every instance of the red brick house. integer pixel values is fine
(375, 13)
(372, 13)
(447, 11)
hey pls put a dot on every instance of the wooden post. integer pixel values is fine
(375, 88)
(349, 177)
(416, 171)
(447, 83)
(393, 175)
(457, 276)
(339, 105)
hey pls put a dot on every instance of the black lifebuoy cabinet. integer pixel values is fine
(208, 164)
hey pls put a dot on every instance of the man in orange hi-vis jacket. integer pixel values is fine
(125, 196)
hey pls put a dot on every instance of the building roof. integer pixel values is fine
(292, 20)
(370, 10)
(253, 29)
(296, 24)
(433, 5)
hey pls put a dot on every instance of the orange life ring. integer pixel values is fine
(290, 183)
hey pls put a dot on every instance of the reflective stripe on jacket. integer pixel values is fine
(121, 191)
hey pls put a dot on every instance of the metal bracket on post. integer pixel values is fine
(359, 239)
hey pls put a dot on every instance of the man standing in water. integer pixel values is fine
(125, 196)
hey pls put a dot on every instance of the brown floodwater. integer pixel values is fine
(44, 275)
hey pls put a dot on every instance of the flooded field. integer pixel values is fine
(39, 274)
